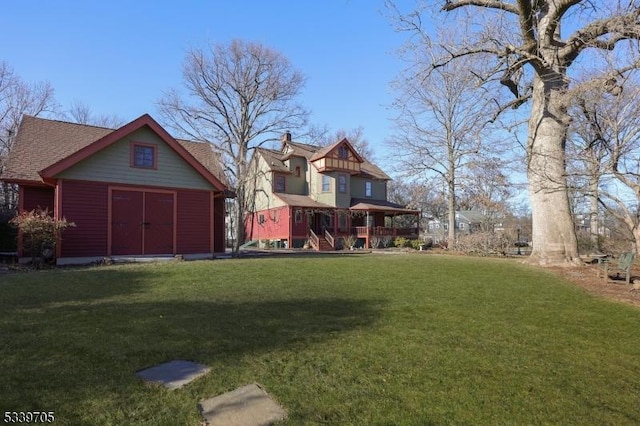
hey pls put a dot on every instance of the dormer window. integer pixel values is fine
(280, 184)
(143, 156)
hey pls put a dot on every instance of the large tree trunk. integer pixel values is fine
(554, 237)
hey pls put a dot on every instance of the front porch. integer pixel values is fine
(329, 239)
(365, 223)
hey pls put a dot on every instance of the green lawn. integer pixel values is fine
(354, 339)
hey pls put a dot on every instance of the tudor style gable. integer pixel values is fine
(341, 156)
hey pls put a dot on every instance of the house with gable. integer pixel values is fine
(131, 191)
(321, 195)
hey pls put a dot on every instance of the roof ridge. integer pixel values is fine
(56, 120)
(307, 145)
(262, 148)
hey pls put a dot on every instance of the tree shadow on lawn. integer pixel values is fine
(39, 289)
(75, 352)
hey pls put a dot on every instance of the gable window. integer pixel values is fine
(326, 183)
(342, 183)
(368, 189)
(280, 184)
(143, 156)
(343, 152)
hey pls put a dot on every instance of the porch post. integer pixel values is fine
(366, 238)
(292, 215)
(393, 224)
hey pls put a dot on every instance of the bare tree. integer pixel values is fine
(425, 196)
(81, 113)
(238, 97)
(587, 155)
(607, 131)
(486, 189)
(530, 57)
(439, 122)
(16, 99)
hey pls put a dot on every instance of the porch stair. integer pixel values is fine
(323, 244)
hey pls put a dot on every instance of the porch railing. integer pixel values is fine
(367, 231)
(313, 239)
(329, 238)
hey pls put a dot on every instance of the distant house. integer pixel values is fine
(132, 191)
(467, 222)
(321, 195)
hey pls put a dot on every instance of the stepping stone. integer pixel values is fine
(173, 374)
(246, 406)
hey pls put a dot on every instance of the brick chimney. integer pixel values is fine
(286, 137)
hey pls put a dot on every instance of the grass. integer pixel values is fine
(354, 339)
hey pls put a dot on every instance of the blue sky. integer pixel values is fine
(118, 56)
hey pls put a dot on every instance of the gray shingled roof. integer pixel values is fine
(295, 200)
(312, 151)
(274, 160)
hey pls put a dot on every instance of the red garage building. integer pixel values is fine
(132, 191)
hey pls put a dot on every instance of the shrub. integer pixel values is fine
(416, 244)
(375, 242)
(348, 241)
(401, 242)
(484, 243)
(42, 231)
(386, 241)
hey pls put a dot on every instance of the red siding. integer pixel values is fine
(158, 224)
(300, 230)
(219, 238)
(274, 227)
(126, 222)
(35, 196)
(85, 204)
(194, 222)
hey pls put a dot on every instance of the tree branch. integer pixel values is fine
(622, 27)
(490, 4)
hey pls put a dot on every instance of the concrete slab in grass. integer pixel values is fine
(246, 406)
(173, 374)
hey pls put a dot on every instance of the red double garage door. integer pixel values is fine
(142, 222)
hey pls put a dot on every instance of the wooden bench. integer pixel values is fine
(623, 264)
